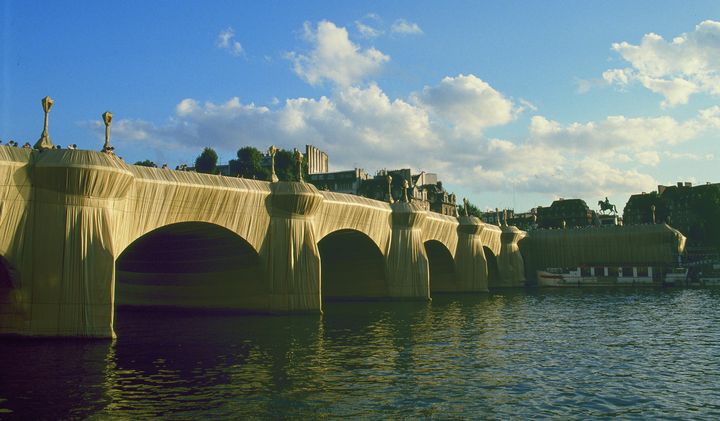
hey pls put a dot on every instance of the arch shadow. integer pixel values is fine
(9, 276)
(191, 265)
(352, 267)
(492, 267)
(442, 267)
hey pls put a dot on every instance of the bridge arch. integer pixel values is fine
(352, 267)
(492, 267)
(191, 265)
(442, 267)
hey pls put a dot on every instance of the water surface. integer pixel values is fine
(516, 354)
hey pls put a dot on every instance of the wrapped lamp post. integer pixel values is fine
(272, 151)
(44, 142)
(107, 119)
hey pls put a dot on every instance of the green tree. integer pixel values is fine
(472, 210)
(146, 163)
(285, 166)
(249, 164)
(207, 161)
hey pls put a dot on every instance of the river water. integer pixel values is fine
(514, 354)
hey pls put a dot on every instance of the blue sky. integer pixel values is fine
(513, 104)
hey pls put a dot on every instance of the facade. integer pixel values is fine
(341, 181)
(693, 210)
(427, 187)
(317, 160)
(566, 213)
(526, 221)
(496, 217)
(424, 190)
(638, 209)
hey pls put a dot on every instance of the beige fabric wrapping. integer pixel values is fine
(66, 216)
(344, 211)
(441, 228)
(632, 245)
(293, 263)
(510, 261)
(490, 236)
(162, 197)
(15, 218)
(407, 268)
(76, 198)
(470, 262)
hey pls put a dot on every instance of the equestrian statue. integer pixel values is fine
(607, 206)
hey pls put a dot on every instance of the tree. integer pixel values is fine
(146, 163)
(249, 164)
(472, 210)
(285, 166)
(207, 161)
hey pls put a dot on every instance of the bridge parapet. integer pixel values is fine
(293, 200)
(84, 174)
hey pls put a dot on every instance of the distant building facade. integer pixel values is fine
(340, 181)
(693, 210)
(526, 221)
(566, 212)
(495, 217)
(638, 209)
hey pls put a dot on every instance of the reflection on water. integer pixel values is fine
(638, 353)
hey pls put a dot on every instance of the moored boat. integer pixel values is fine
(611, 276)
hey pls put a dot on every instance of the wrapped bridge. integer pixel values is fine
(82, 232)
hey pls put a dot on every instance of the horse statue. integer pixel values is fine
(607, 206)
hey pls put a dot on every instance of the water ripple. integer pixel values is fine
(570, 354)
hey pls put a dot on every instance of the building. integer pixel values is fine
(495, 217)
(693, 210)
(526, 221)
(566, 213)
(427, 187)
(424, 190)
(317, 160)
(341, 181)
(377, 187)
(639, 209)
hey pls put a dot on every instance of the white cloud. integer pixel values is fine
(527, 105)
(616, 133)
(367, 31)
(620, 77)
(438, 129)
(226, 41)
(650, 158)
(334, 57)
(688, 156)
(467, 103)
(403, 27)
(688, 64)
